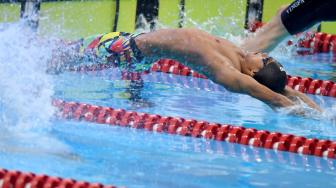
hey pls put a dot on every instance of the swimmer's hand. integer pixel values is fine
(330, 114)
(301, 109)
(297, 97)
(303, 105)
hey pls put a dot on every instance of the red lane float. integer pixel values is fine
(317, 42)
(305, 85)
(249, 154)
(18, 179)
(194, 128)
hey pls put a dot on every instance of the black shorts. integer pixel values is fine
(303, 14)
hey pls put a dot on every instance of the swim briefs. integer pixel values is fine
(118, 48)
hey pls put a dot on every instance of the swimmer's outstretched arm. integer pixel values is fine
(241, 83)
(246, 84)
(293, 94)
(235, 81)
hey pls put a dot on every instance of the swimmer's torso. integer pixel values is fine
(192, 47)
(185, 45)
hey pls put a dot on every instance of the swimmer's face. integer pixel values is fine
(265, 70)
(271, 75)
(256, 61)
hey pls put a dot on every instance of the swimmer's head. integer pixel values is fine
(267, 71)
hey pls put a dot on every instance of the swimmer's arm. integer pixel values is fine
(235, 81)
(268, 37)
(292, 94)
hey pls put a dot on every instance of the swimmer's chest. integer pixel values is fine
(230, 52)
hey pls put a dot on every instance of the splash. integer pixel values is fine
(26, 90)
(25, 95)
(228, 27)
(329, 113)
(327, 116)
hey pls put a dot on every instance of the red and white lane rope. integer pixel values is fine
(317, 42)
(249, 154)
(18, 179)
(195, 128)
(305, 85)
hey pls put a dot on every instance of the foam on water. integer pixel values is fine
(302, 109)
(26, 91)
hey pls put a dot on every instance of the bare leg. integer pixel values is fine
(268, 37)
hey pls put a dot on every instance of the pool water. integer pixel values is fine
(137, 158)
(318, 66)
(172, 95)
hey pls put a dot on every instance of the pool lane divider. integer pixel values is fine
(304, 85)
(18, 179)
(250, 154)
(316, 42)
(198, 129)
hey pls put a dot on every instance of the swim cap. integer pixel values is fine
(273, 76)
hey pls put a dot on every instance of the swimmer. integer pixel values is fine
(255, 74)
(290, 20)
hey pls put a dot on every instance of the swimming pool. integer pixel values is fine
(130, 157)
(138, 158)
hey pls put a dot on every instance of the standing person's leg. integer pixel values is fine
(292, 19)
(303, 14)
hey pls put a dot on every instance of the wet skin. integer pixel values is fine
(217, 58)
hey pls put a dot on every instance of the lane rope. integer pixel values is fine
(18, 179)
(304, 85)
(194, 128)
(250, 154)
(316, 42)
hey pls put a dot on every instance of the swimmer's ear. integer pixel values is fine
(253, 73)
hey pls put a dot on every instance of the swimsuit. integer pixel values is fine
(116, 48)
(302, 14)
